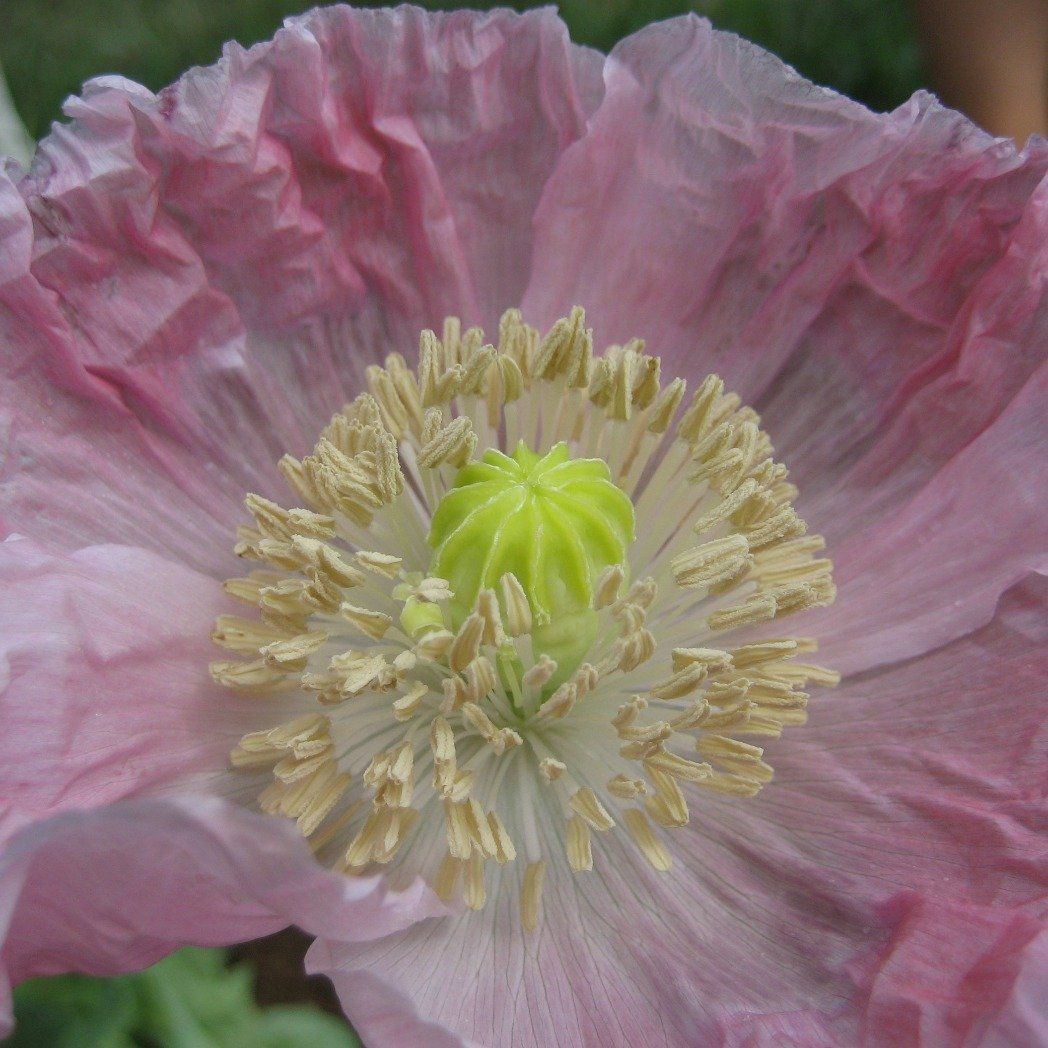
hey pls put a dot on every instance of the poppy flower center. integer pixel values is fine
(513, 610)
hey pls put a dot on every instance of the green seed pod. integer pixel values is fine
(553, 521)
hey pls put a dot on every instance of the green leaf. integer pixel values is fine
(291, 1026)
(192, 999)
(70, 1011)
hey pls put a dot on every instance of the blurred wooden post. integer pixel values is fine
(989, 58)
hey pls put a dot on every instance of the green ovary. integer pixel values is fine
(555, 522)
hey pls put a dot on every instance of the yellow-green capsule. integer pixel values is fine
(553, 521)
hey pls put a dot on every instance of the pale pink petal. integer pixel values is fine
(750, 223)
(591, 975)
(988, 353)
(946, 971)
(383, 1015)
(117, 888)
(934, 567)
(873, 284)
(933, 768)
(104, 684)
(1023, 1019)
(77, 460)
(623, 956)
(213, 267)
(799, 1029)
(919, 789)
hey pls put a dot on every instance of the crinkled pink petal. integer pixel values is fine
(946, 972)
(782, 911)
(821, 257)
(209, 271)
(935, 566)
(115, 889)
(1023, 1018)
(874, 284)
(992, 347)
(104, 684)
(78, 464)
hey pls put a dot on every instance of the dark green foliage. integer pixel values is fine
(190, 1000)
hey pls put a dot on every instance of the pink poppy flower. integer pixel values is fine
(521, 699)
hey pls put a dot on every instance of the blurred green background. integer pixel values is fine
(863, 48)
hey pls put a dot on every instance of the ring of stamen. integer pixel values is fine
(418, 728)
